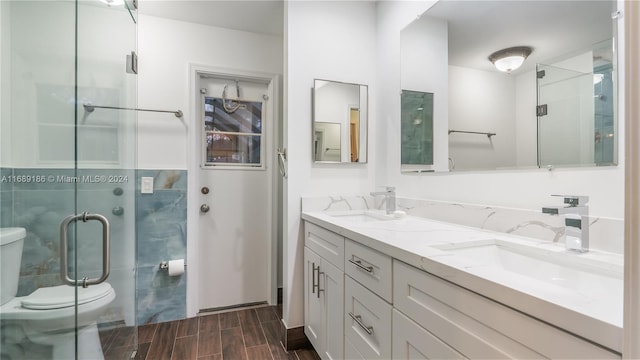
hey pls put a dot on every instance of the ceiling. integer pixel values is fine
(551, 28)
(258, 16)
(477, 28)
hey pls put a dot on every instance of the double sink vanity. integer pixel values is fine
(513, 285)
(381, 286)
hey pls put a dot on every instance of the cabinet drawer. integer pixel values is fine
(369, 267)
(479, 327)
(325, 243)
(367, 322)
(410, 341)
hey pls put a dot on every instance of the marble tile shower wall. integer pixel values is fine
(606, 234)
(38, 200)
(161, 221)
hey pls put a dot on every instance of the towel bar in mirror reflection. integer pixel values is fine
(558, 109)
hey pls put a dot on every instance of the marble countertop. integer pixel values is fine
(593, 310)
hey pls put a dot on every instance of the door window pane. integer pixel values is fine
(233, 132)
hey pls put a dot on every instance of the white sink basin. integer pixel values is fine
(361, 216)
(571, 271)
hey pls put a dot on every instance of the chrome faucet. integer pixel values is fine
(389, 198)
(576, 221)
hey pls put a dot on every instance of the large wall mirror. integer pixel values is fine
(339, 122)
(558, 109)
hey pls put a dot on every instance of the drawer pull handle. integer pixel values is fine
(358, 320)
(358, 263)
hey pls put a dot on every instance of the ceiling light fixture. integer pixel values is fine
(510, 59)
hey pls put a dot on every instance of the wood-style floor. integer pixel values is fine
(251, 334)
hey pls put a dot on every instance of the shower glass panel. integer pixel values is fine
(106, 161)
(58, 162)
(605, 120)
(565, 117)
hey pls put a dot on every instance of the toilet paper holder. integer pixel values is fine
(164, 265)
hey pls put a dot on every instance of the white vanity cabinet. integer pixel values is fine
(410, 341)
(361, 303)
(369, 267)
(367, 318)
(477, 327)
(324, 291)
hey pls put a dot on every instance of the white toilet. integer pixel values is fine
(48, 315)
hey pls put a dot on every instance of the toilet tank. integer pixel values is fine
(11, 240)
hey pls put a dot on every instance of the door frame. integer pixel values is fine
(193, 168)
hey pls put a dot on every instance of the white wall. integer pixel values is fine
(39, 79)
(482, 101)
(331, 41)
(392, 17)
(526, 189)
(39, 51)
(527, 123)
(5, 85)
(166, 48)
(424, 61)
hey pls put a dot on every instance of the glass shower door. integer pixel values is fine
(67, 179)
(106, 161)
(565, 117)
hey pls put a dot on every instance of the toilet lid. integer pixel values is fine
(56, 297)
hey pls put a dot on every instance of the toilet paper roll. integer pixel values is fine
(176, 267)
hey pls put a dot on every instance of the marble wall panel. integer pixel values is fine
(161, 220)
(145, 229)
(605, 234)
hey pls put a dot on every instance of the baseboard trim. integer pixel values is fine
(232, 307)
(294, 338)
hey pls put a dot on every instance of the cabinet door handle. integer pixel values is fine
(358, 263)
(358, 320)
(313, 278)
(320, 273)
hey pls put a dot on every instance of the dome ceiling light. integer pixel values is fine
(510, 59)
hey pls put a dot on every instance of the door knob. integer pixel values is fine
(204, 208)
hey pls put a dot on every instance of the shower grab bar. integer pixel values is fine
(90, 108)
(64, 245)
(489, 134)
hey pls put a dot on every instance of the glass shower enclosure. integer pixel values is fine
(68, 178)
(576, 110)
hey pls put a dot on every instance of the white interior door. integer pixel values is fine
(235, 221)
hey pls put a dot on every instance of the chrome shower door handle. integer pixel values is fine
(64, 249)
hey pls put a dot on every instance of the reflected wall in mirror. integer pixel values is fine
(573, 41)
(326, 141)
(339, 122)
(416, 128)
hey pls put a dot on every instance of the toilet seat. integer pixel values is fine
(63, 296)
(60, 308)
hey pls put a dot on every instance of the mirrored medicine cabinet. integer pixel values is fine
(557, 110)
(340, 112)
